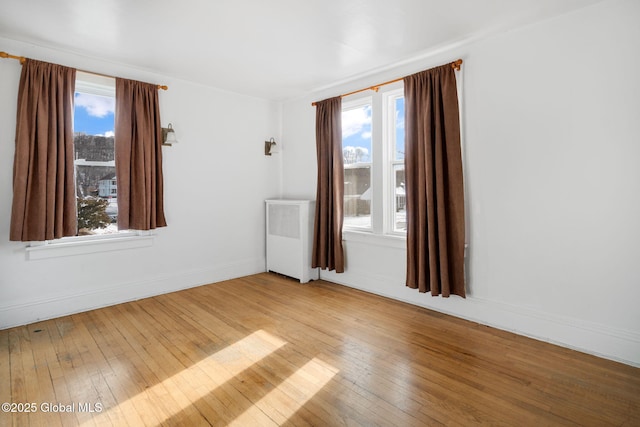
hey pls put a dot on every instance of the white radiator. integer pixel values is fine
(289, 238)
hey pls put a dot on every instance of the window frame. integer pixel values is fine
(353, 104)
(389, 98)
(382, 160)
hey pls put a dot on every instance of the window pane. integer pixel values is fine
(396, 166)
(399, 199)
(356, 149)
(96, 188)
(399, 128)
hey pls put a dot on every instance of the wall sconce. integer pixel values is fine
(270, 147)
(169, 136)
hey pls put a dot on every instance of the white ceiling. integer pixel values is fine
(275, 49)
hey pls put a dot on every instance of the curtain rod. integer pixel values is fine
(455, 65)
(22, 59)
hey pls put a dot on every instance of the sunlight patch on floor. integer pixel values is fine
(167, 398)
(291, 395)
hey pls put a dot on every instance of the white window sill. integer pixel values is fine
(398, 241)
(387, 240)
(70, 246)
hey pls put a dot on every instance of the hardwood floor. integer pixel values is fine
(265, 350)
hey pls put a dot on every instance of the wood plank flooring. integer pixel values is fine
(265, 350)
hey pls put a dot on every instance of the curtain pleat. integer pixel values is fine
(434, 183)
(327, 236)
(138, 147)
(44, 197)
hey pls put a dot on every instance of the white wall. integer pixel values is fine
(216, 180)
(552, 145)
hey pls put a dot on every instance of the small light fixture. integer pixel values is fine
(169, 136)
(269, 147)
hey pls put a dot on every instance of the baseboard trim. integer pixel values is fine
(599, 340)
(49, 308)
(596, 339)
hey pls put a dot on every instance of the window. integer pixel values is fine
(95, 167)
(373, 154)
(356, 151)
(395, 117)
(96, 184)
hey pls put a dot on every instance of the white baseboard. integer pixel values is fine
(599, 340)
(43, 309)
(591, 338)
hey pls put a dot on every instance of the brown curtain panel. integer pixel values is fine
(44, 194)
(327, 235)
(434, 183)
(138, 147)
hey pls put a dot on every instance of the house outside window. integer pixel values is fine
(107, 186)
